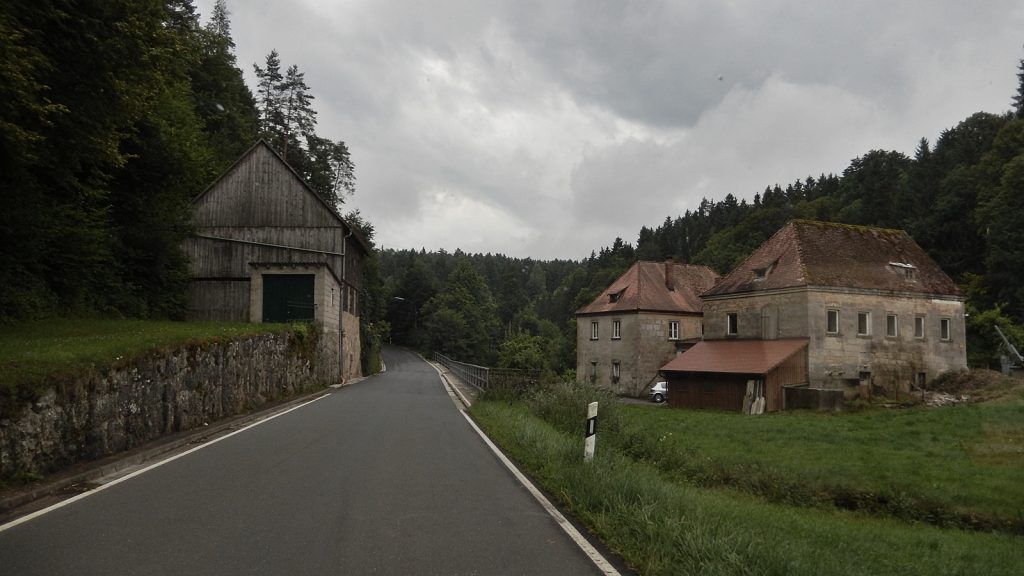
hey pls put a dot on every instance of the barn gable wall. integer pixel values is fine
(260, 190)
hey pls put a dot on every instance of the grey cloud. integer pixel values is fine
(566, 123)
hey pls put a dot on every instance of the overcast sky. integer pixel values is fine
(547, 128)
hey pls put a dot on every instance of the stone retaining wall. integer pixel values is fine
(98, 414)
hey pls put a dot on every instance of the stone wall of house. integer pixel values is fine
(759, 316)
(845, 359)
(642, 348)
(848, 360)
(99, 414)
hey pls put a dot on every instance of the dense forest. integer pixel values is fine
(107, 134)
(114, 114)
(961, 198)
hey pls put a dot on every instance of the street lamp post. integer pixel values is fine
(415, 313)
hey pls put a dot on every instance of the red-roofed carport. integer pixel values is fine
(715, 373)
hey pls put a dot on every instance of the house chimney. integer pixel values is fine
(669, 281)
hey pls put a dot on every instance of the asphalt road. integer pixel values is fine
(382, 477)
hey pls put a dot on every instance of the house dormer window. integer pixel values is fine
(905, 269)
(762, 272)
(614, 296)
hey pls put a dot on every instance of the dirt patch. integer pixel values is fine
(970, 386)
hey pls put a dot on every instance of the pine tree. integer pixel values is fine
(1018, 98)
(328, 169)
(220, 23)
(298, 115)
(269, 99)
(223, 101)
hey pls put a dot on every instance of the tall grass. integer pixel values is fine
(959, 466)
(663, 526)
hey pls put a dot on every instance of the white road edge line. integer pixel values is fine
(602, 564)
(117, 481)
(600, 561)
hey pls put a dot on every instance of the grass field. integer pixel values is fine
(957, 465)
(681, 492)
(32, 352)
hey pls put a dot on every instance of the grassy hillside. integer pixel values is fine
(31, 353)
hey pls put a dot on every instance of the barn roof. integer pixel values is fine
(655, 287)
(736, 356)
(263, 144)
(806, 253)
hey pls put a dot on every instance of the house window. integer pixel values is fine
(918, 326)
(863, 323)
(731, 322)
(593, 371)
(832, 321)
(891, 326)
(593, 330)
(616, 372)
(944, 329)
(673, 330)
(616, 329)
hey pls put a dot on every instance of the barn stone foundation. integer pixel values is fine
(99, 414)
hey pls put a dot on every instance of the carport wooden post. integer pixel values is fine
(591, 432)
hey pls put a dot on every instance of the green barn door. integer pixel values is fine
(288, 297)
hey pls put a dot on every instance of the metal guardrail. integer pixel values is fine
(484, 378)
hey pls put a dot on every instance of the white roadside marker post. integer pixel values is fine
(591, 433)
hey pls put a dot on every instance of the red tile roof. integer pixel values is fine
(735, 356)
(805, 253)
(647, 287)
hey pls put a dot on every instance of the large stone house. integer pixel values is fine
(858, 308)
(266, 248)
(638, 323)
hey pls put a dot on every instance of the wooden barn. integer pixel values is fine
(736, 375)
(266, 248)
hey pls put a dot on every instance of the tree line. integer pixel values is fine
(114, 114)
(961, 199)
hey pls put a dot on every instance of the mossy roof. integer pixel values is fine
(827, 254)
